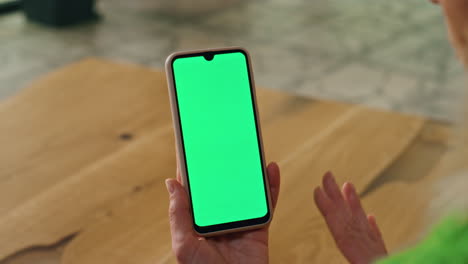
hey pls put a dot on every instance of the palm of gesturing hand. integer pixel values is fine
(244, 247)
(357, 235)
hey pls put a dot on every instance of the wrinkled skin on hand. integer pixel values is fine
(242, 247)
(356, 234)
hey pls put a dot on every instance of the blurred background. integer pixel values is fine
(387, 54)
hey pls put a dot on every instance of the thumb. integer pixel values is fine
(180, 217)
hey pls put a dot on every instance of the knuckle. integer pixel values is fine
(181, 252)
(179, 256)
(172, 209)
(173, 212)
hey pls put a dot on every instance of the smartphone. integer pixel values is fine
(218, 139)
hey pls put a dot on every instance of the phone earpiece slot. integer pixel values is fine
(209, 56)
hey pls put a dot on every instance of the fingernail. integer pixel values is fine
(169, 186)
(353, 191)
(275, 164)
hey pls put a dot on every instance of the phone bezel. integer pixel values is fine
(181, 158)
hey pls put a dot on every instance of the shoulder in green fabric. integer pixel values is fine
(447, 243)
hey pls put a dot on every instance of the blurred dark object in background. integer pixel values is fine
(59, 12)
(184, 8)
(9, 6)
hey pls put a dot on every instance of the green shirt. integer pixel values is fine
(447, 243)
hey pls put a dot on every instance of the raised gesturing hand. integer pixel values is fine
(356, 234)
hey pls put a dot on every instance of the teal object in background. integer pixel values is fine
(220, 139)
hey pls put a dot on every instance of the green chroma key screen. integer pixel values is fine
(219, 135)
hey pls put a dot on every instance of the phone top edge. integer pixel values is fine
(170, 59)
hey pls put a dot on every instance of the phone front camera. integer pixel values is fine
(209, 56)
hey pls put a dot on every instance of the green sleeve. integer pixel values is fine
(447, 243)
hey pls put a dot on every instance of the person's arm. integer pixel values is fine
(356, 234)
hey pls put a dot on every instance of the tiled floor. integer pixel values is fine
(387, 54)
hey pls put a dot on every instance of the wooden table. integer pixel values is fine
(86, 149)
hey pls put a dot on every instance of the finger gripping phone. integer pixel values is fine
(218, 139)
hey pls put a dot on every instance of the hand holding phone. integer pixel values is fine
(244, 247)
(218, 140)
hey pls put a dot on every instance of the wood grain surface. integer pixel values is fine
(86, 150)
(402, 194)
